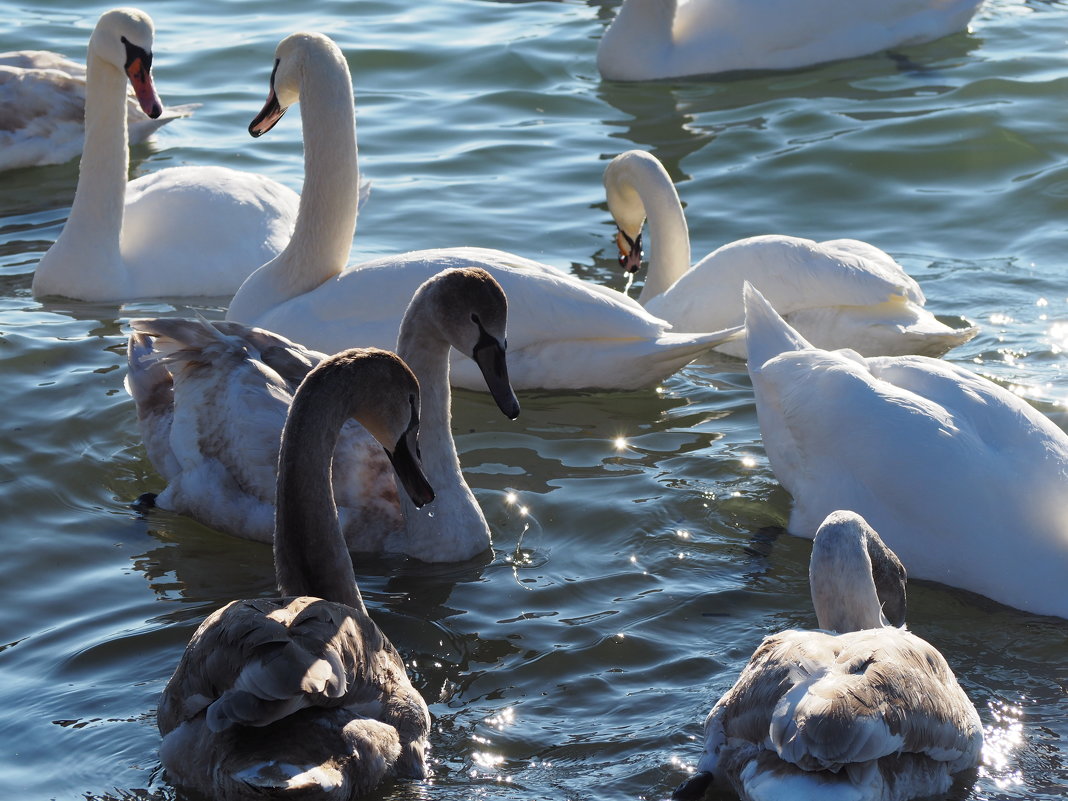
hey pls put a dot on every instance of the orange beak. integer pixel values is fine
(141, 79)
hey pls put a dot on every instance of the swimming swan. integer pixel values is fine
(563, 332)
(178, 232)
(653, 39)
(842, 293)
(303, 695)
(43, 97)
(211, 402)
(859, 710)
(966, 481)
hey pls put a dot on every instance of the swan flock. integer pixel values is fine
(317, 417)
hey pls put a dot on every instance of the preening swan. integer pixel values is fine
(304, 696)
(859, 710)
(563, 332)
(966, 481)
(43, 98)
(181, 231)
(211, 402)
(652, 39)
(837, 294)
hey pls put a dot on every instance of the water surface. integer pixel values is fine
(638, 554)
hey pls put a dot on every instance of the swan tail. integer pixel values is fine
(675, 350)
(937, 339)
(142, 127)
(175, 340)
(766, 333)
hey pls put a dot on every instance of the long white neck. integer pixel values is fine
(641, 188)
(87, 253)
(642, 34)
(326, 219)
(453, 524)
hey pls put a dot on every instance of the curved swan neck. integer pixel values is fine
(844, 594)
(329, 200)
(95, 220)
(639, 187)
(454, 521)
(310, 554)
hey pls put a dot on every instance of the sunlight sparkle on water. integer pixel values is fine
(505, 717)
(1058, 335)
(620, 443)
(1001, 740)
(749, 462)
(512, 499)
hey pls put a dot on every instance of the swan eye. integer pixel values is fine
(475, 320)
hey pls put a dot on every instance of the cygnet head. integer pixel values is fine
(384, 397)
(123, 38)
(291, 64)
(857, 582)
(471, 311)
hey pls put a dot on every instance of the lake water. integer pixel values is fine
(631, 578)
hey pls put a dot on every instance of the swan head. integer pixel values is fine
(291, 60)
(857, 582)
(383, 394)
(621, 181)
(471, 311)
(123, 38)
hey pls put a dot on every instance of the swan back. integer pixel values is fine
(861, 710)
(654, 39)
(43, 95)
(306, 694)
(966, 481)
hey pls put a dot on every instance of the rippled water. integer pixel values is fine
(638, 551)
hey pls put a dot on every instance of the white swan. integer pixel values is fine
(304, 696)
(178, 232)
(211, 401)
(861, 710)
(653, 39)
(842, 293)
(43, 98)
(563, 332)
(967, 482)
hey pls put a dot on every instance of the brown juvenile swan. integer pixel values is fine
(211, 402)
(304, 696)
(859, 710)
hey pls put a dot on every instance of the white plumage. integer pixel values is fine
(42, 95)
(182, 231)
(563, 333)
(653, 39)
(966, 481)
(841, 293)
